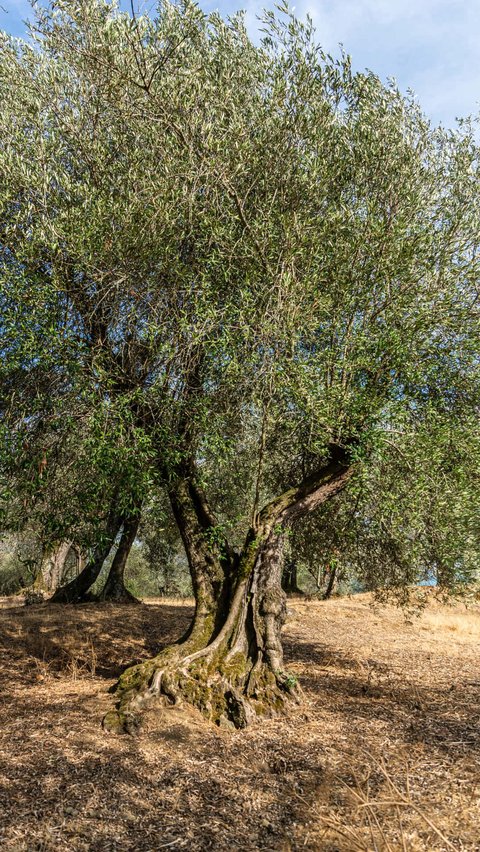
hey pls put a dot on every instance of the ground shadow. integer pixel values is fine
(99, 639)
(446, 719)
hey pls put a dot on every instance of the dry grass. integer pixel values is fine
(383, 755)
(462, 623)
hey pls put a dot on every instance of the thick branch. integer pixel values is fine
(314, 490)
(207, 568)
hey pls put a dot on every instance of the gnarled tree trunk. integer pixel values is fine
(115, 589)
(230, 664)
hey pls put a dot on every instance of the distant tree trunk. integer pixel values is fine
(81, 561)
(114, 589)
(52, 570)
(230, 664)
(443, 575)
(289, 577)
(169, 588)
(66, 559)
(77, 589)
(332, 574)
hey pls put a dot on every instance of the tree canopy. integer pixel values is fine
(246, 276)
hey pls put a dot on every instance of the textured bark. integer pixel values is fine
(238, 675)
(77, 590)
(230, 664)
(210, 567)
(114, 589)
(81, 561)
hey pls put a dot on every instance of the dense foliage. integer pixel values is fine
(245, 277)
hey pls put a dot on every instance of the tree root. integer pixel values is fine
(229, 692)
(122, 596)
(85, 597)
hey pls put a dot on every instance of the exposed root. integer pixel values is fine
(229, 692)
(65, 596)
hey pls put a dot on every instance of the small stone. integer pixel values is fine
(117, 722)
(113, 723)
(133, 725)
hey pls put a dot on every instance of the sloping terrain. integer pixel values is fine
(384, 754)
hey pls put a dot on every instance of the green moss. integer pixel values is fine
(137, 678)
(235, 667)
(207, 697)
(117, 722)
(134, 679)
(195, 691)
(218, 701)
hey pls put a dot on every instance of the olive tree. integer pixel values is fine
(263, 263)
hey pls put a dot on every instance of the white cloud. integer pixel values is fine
(430, 46)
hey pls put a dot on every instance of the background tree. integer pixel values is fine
(259, 265)
(164, 555)
(410, 516)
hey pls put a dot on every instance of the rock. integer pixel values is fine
(69, 811)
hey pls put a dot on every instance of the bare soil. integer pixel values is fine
(384, 754)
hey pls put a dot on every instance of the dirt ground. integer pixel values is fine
(384, 754)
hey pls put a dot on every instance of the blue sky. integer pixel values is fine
(430, 46)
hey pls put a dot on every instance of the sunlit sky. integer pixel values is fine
(430, 46)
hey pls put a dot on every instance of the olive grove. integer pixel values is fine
(244, 277)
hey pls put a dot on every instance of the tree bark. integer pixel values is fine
(115, 589)
(81, 562)
(230, 664)
(332, 576)
(76, 591)
(210, 563)
(52, 570)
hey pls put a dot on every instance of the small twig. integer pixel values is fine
(408, 803)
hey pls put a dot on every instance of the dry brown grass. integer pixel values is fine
(383, 755)
(462, 623)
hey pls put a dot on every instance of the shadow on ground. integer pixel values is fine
(373, 711)
(422, 712)
(101, 639)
